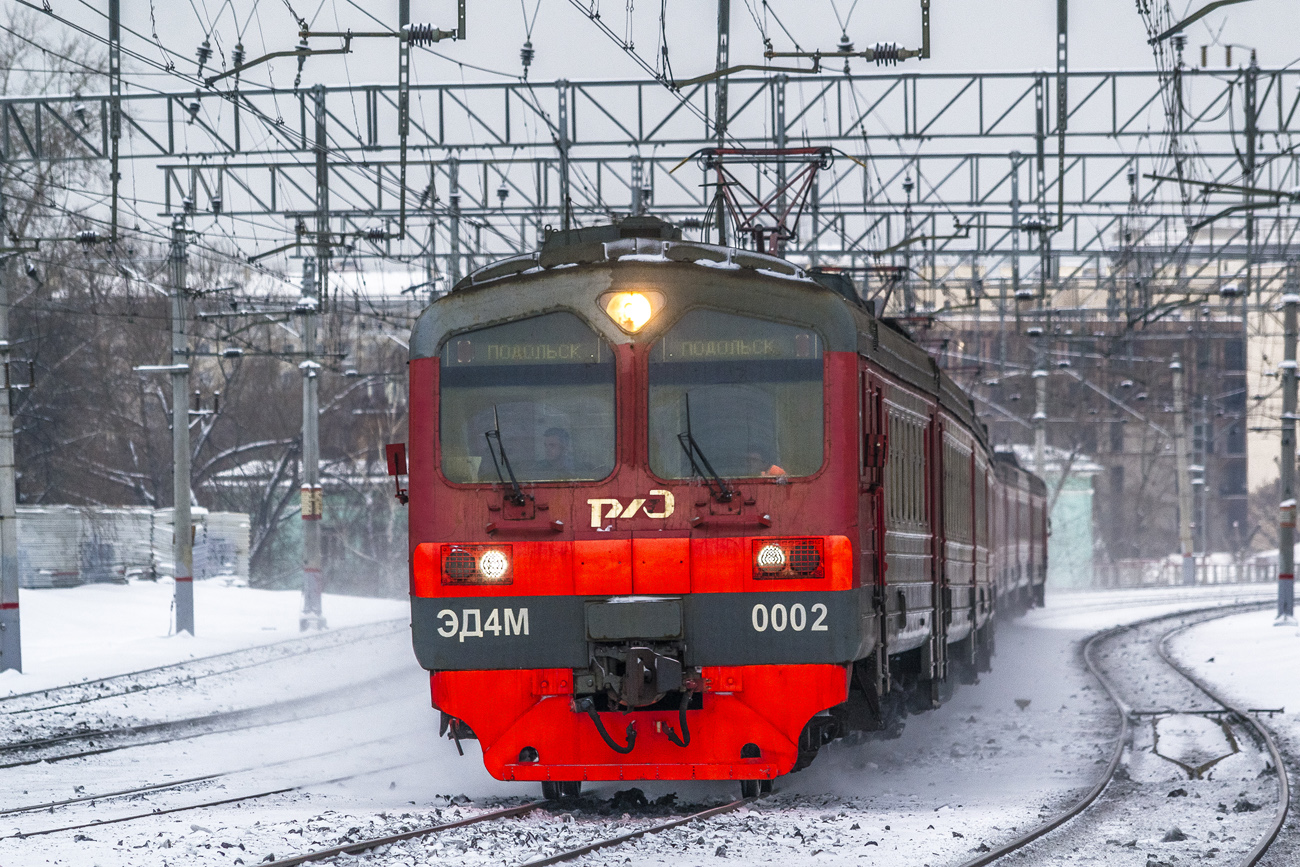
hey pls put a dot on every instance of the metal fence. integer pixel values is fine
(1211, 569)
(63, 546)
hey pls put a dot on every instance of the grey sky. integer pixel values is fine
(967, 34)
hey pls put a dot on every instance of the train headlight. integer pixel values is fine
(493, 564)
(788, 558)
(770, 559)
(477, 564)
(632, 310)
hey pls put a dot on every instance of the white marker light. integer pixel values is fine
(771, 559)
(492, 565)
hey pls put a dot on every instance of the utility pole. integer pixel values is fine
(114, 106)
(11, 651)
(453, 208)
(1286, 511)
(182, 532)
(1015, 265)
(721, 111)
(312, 493)
(1062, 102)
(562, 143)
(315, 289)
(1040, 406)
(1184, 476)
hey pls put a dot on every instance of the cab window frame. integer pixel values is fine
(663, 332)
(487, 481)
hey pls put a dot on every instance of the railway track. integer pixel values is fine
(202, 805)
(339, 700)
(560, 857)
(152, 788)
(191, 670)
(1149, 632)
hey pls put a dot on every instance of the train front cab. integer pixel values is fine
(678, 598)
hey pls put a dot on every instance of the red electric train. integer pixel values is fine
(681, 511)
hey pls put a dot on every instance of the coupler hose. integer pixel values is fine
(588, 707)
(681, 717)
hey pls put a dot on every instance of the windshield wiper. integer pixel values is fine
(718, 486)
(516, 495)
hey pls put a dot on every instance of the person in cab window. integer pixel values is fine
(557, 457)
(759, 466)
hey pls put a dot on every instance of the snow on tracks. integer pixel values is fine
(1170, 800)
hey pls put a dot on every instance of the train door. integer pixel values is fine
(959, 505)
(982, 510)
(935, 475)
(909, 578)
(871, 508)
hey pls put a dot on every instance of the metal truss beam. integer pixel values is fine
(490, 165)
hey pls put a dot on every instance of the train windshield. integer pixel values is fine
(534, 398)
(743, 393)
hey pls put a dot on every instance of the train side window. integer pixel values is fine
(547, 382)
(752, 389)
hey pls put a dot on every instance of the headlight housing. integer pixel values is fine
(788, 558)
(477, 564)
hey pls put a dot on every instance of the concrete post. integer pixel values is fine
(1040, 411)
(11, 653)
(315, 289)
(1286, 512)
(1184, 475)
(312, 493)
(453, 214)
(182, 532)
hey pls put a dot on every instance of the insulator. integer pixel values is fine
(79, 109)
(376, 234)
(193, 109)
(846, 44)
(237, 56)
(32, 273)
(886, 53)
(87, 237)
(205, 54)
(303, 48)
(425, 34)
(526, 54)
(502, 193)
(216, 204)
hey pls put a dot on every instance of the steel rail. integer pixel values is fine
(234, 799)
(293, 710)
(189, 781)
(1284, 785)
(278, 649)
(1122, 739)
(376, 842)
(588, 848)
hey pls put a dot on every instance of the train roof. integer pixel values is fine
(573, 268)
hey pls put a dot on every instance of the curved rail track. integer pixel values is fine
(1123, 740)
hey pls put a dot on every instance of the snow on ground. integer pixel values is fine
(1256, 665)
(968, 775)
(98, 630)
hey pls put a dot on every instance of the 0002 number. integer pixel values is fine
(795, 618)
